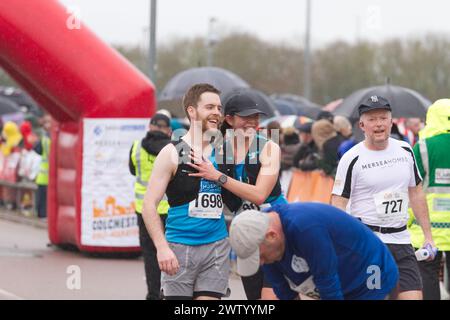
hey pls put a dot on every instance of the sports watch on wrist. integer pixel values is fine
(222, 180)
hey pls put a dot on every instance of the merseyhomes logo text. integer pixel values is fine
(384, 163)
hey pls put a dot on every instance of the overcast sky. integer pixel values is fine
(125, 21)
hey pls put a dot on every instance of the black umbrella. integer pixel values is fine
(299, 100)
(296, 108)
(405, 103)
(222, 79)
(285, 108)
(8, 107)
(18, 96)
(264, 102)
(23, 101)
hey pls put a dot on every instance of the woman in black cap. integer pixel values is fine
(249, 165)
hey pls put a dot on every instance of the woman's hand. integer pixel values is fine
(205, 168)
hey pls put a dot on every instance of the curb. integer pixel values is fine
(14, 216)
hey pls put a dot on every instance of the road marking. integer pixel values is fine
(5, 295)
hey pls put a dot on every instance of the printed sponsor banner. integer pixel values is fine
(107, 195)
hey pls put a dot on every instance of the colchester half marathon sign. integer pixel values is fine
(108, 216)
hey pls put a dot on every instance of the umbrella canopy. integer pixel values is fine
(295, 98)
(405, 103)
(7, 106)
(291, 107)
(222, 79)
(286, 121)
(285, 107)
(264, 102)
(27, 106)
(19, 97)
(331, 106)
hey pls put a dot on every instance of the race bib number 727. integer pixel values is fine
(391, 205)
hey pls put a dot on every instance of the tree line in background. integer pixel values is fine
(337, 70)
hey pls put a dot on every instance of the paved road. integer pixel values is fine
(30, 269)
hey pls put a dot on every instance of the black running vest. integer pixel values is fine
(251, 167)
(182, 188)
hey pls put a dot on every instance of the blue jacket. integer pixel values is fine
(331, 255)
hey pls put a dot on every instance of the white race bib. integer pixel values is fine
(247, 205)
(207, 205)
(391, 206)
(307, 288)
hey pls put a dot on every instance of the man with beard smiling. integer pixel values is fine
(250, 172)
(194, 252)
(377, 179)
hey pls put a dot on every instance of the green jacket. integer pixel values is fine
(433, 161)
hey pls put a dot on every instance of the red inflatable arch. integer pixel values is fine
(79, 80)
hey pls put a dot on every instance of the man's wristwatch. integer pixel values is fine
(222, 180)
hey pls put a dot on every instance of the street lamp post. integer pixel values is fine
(307, 54)
(152, 46)
(210, 42)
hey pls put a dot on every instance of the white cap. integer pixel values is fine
(247, 232)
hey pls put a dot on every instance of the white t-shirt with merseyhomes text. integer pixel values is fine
(376, 184)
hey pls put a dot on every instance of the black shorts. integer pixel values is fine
(408, 268)
(254, 284)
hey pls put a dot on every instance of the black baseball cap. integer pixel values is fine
(373, 103)
(305, 127)
(160, 120)
(242, 105)
(327, 115)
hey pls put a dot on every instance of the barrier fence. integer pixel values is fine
(18, 171)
